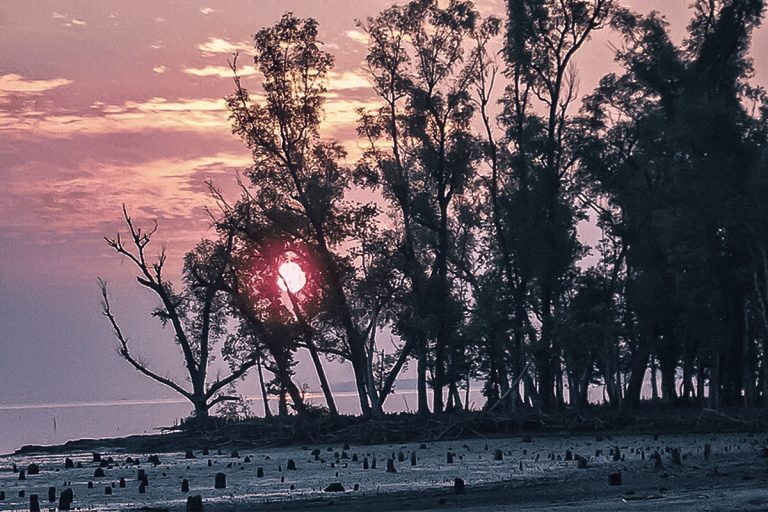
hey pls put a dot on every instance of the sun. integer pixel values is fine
(291, 277)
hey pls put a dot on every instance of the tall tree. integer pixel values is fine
(670, 147)
(297, 179)
(533, 207)
(421, 157)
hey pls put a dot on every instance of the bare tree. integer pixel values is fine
(197, 315)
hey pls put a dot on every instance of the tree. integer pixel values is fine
(421, 156)
(533, 205)
(672, 147)
(298, 183)
(198, 314)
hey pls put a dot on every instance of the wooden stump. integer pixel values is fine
(413, 458)
(122, 482)
(335, 487)
(259, 472)
(391, 466)
(365, 463)
(449, 458)
(498, 455)
(51, 494)
(220, 481)
(65, 499)
(98, 473)
(189, 454)
(614, 479)
(458, 485)
(291, 466)
(22, 474)
(34, 503)
(185, 485)
(68, 463)
(195, 503)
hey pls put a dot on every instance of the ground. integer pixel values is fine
(533, 474)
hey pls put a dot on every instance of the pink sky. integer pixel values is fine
(104, 103)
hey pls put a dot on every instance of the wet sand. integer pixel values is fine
(531, 475)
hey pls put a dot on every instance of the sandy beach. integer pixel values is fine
(538, 474)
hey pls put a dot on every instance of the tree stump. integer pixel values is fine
(65, 499)
(122, 482)
(22, 474)
(185, 485)
(235, 454)
(34, 503)
(373, 463)
(220, 481)
(90, 484)
(498, 455)
(365, 463)
(51, 494)
(68, 463)
(259, 472)
(335, 487)
(189, 454)
(391, 466)
(677, 458)
(142, 488)
(707, 451)
(98, 473)
(413, 458)
(96, 457)
(449, 458)
(614, 479)
(195, 503)
(154, 460)
(108, 490)
(400, 456)
(582, 462)
(569, 455)
(616, 454)
(458, 485)
(291, 466)
(2, 495)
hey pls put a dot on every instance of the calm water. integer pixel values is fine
(57, 423)
(42, 424)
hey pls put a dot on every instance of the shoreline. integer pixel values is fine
(403, 427)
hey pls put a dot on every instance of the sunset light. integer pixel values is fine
(291, 277)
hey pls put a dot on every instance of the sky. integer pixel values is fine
(110, 103)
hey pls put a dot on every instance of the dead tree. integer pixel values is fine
(197, 316)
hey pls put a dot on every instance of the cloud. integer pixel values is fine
(347, 80)
(159, 69)
(219, 71)
(206, 11)
(357, 36)
(183, 114)
(13, 84)
(216, 45)
(87, 197)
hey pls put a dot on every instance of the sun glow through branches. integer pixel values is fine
(291, 277)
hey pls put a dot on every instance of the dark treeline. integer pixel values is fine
(480, 165)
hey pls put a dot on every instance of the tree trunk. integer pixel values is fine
(263, 388)
(324, 385)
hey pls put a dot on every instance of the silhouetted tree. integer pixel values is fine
(198, 314)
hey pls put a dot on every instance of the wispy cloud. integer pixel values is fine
(220, 71)
(183, 114)
(216, 45)
(87, 198)
(206, 11)
(18, 85)
(347, 80)
(159, 69)
(357, 36)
